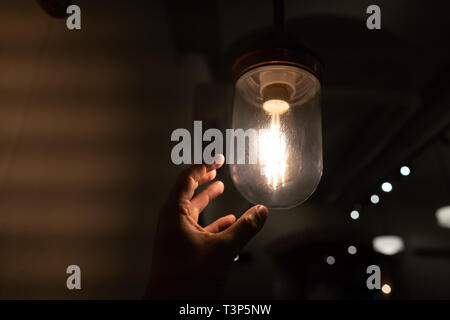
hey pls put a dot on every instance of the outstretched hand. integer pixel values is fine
(190, 261)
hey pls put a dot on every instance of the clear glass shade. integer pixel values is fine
(282, 105)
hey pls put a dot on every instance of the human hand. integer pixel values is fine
(190, 261)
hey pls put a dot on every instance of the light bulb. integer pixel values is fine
(275, 106)
(272, 152)
(330, 260)
(282, 104)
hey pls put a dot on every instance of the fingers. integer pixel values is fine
(199, 203)
(245, 228)
(221, 224)
(207, 177)
(190, 179)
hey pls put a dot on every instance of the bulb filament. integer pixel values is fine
(272, 152)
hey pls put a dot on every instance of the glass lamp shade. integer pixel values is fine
(281, 103)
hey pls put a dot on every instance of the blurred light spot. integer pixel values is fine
(354, 215)
(386, 187)
(374, 199)
(388, 245)
(386, 289)
(405, 171)
(331, 260)
(352, 250)
(443, 217)
(237, 258)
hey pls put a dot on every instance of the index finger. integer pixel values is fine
(190, 179)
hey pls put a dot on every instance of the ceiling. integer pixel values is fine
(86, 117)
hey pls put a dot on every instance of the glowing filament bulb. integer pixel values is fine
(272, 153)
(277, 109)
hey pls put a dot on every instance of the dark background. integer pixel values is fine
(85, 124)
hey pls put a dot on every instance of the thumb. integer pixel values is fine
(246, 227)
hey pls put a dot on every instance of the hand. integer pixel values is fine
(190, 261)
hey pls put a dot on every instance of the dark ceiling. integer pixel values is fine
(86, 117)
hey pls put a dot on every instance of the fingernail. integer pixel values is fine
(262, 213)
(219, 158)
(262, 208)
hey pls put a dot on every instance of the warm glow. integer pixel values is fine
(276, 106)
(386, 289)
(272, 153)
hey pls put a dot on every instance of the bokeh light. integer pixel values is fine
(331, 260)
(352, 250)
(386, 187)
(386, 289)
(374, 199)
(388, 244)
(354, 214)
(405, 171)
